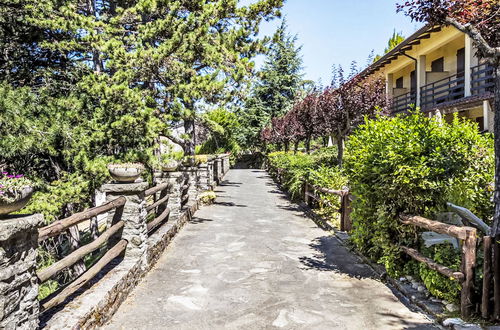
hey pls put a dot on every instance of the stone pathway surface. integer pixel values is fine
(254, 261)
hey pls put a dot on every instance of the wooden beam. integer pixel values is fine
(438, 227)
(157, 188)
(485, 298)
(58, 227)
(158, 202)
(424, 36)
(75, 256)
(59, 298)
(432, 264)
(158, 220)
(468, 264)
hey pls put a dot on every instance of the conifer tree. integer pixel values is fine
(279, 84)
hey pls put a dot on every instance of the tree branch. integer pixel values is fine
(176, 140)
(471, 31)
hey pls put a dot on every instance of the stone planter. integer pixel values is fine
(170, 166)
(125, 172)
(22, 198)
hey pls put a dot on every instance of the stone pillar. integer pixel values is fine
(192, 175)
(210, 173)
(203, 177)
(218, 170)
(133, 213)
(227, 164)
(177, 180)
(19, 307)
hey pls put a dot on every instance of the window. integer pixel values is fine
(413, 81)
(438, 65)
(460, 62)
(399, 82)
(480, 122)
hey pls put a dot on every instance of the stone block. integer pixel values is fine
(19, 306)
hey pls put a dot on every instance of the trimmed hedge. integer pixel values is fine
(415, 164)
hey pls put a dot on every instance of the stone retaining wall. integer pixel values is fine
(96, 306)
(18, 283)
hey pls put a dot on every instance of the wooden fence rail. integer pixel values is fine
(159, 207)
(56, 228)
(466, 274)
(61, 296)
(345, 202)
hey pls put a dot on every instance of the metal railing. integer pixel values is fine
(402, 102)
(482, 79)
(442, 91)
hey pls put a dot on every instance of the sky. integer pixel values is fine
(340, 31)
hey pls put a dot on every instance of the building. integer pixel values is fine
(437, 70)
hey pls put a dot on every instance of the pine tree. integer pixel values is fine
(280, 82)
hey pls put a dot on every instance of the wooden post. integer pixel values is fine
(496, 279)
(345, 212)
(485, 299)
(468, 263)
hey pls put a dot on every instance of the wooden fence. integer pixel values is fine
(159, 207)
(310, 192)
(465, 276)
(489, 305)
(59, 227)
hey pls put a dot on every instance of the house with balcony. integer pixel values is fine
(437, 70)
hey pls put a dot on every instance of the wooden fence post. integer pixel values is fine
(345, 212)
(485, 299)
(468, 263)
(496, 279)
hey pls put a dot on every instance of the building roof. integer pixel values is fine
(401, 49)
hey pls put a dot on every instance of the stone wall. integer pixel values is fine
(133, 213)
(92, 307)
(19, 307)
(177, 181)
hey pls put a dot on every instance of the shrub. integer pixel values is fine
(317, 168)
(414, 164)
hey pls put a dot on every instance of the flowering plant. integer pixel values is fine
(12, 186)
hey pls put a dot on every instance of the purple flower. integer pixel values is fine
(10, 176)
(19, 176)
(5, 173)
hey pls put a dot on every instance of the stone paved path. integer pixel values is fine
(253, 261)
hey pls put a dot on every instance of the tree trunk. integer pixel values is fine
(296, 146)
(287, 146)
(189, 130)
(325, 141)
(340, 150)
(308, 144)
(495, 229)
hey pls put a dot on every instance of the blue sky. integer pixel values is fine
(339, 31)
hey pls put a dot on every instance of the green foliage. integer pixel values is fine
(318, 169)
(438, 285)
(279, 83)
(394, 40)
(224, 126)
(413, 164)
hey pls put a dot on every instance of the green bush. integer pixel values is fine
(319, 169)
(414, 164)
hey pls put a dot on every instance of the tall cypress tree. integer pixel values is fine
(280, 82)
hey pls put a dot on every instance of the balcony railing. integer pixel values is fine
(443, 90)
(401, 103)
(482, 79)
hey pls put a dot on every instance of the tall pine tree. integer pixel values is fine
(280, 82)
